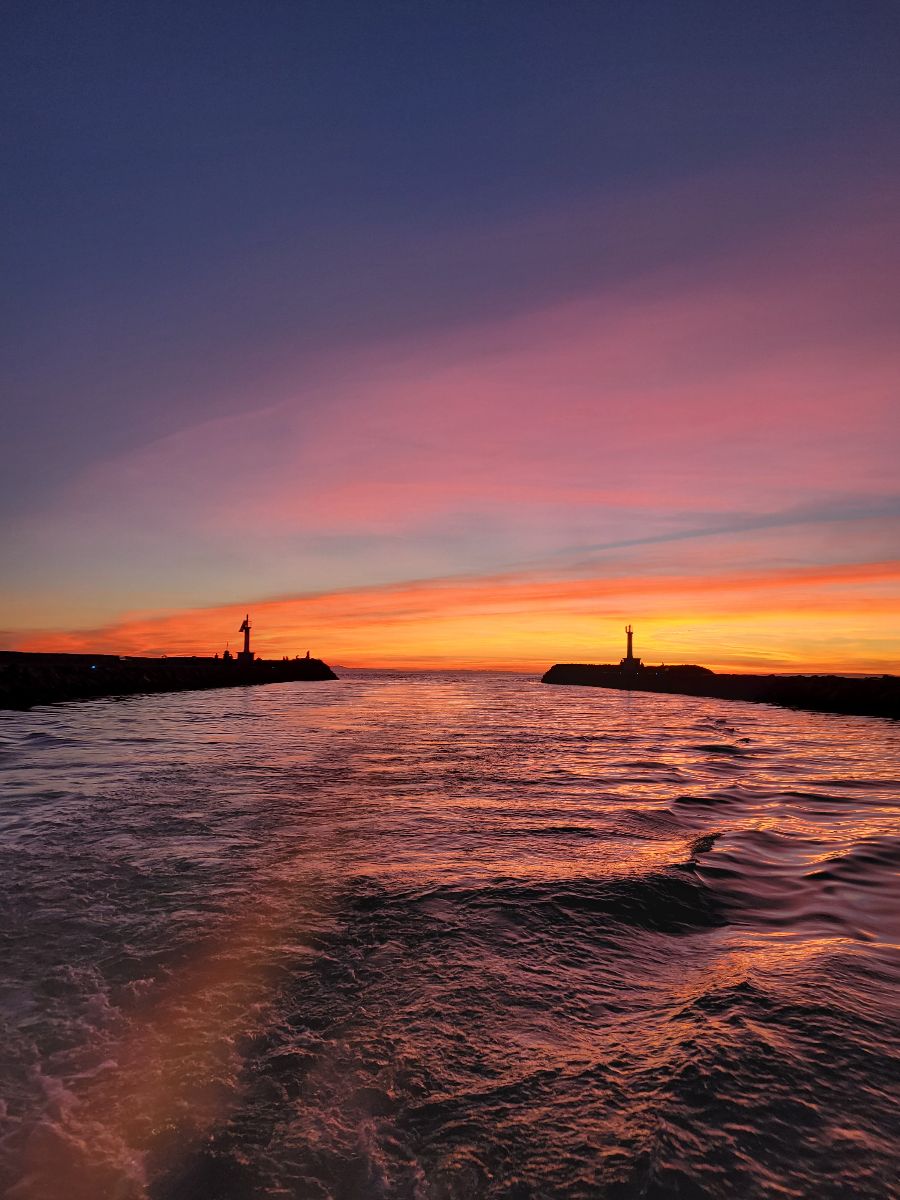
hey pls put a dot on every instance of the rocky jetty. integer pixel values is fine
(872, 696)
(30, 679)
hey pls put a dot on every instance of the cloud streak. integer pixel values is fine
(827, 618)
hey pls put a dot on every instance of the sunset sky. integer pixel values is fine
(454, 334)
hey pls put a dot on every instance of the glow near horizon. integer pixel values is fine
(829, 620)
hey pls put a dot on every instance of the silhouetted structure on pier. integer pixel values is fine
(874, 696)
(629, 662)
(29, 679)
(245, 655)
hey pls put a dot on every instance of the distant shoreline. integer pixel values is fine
(863, 696)
(27, 680)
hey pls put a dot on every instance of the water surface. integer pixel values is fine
(447, 936)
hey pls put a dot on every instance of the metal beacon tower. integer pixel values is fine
(245, 655)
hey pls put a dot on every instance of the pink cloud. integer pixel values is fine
(742, 392)
(761, 382)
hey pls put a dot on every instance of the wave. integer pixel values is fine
(670, 901)
(489, 949)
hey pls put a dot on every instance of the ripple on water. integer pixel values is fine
(444, 937)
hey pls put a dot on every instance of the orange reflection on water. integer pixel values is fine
(169, 1078)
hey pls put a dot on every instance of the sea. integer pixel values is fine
(447, 936)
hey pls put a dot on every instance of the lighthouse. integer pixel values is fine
(245, 655)
(629, 662)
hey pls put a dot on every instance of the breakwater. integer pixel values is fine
(876, 696)
(30, 679)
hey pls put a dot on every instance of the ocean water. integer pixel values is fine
(447, 936)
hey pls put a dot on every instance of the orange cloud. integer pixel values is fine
(817, 618)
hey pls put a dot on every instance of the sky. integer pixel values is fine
(453, 334)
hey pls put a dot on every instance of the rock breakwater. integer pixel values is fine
(873, 696)
(30, 679)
